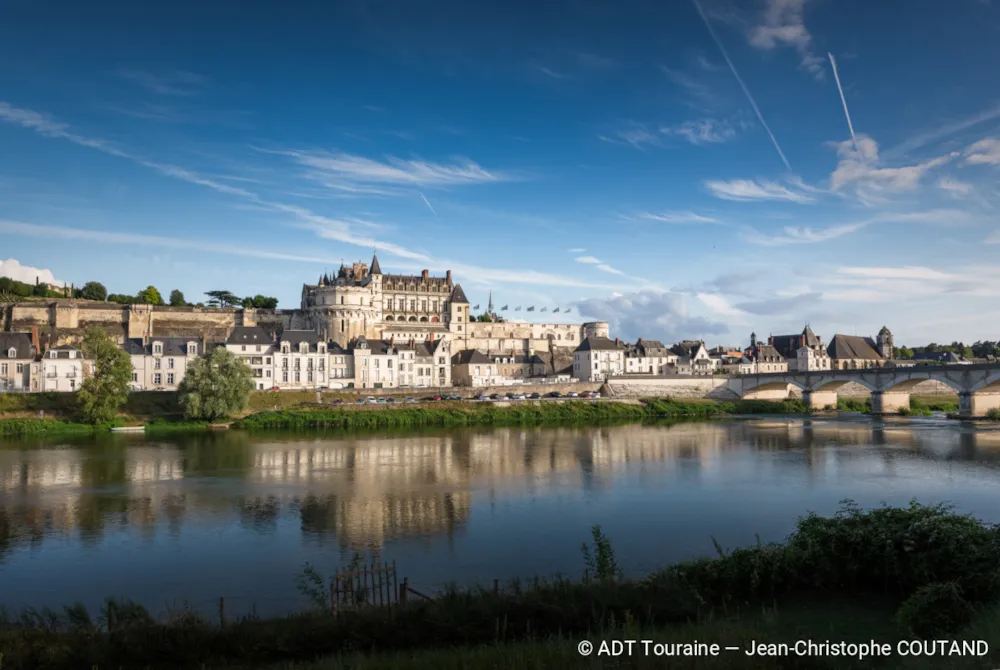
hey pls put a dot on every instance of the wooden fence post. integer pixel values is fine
(496, 587)
(222, 611)
(403, 588)
(334, 584)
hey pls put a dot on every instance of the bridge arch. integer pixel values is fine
(913, 378)
(771, 385)
(834, 385)
(990, 384)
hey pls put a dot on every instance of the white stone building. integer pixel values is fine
(61, 369)
(301, 361)
(161, 363)
(16, 355)
(376, 364)
(598, 358)
(649, 357)
(255, 346)
(693, 358)
(471, 367)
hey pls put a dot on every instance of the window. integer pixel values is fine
(192, 349)
(52, 354)
(170, 363)
(135, 376)
(297, 376)
(376, 362)
(284, 375)
(388, 363)
(298, 363)
(157, 378)
(309, 375)
(170, 377)
(3, 369)
(341, 300)
(267, 373)
(156, 363)
(258, 348)
(243, 347)
(20, 368)
(157, 348)
(72, 384)
(12, 353)
(476, 371)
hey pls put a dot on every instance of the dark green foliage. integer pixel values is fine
(993, 414)
(600, 560)
(215, 387)
(105, 391)
(935, 611)
(36, 426)
(177, 298)
(854, 404)
(149, 296)
(93, 290)
(222, 299)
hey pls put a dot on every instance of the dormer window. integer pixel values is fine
(53, 354)
(303, 347)
(285, 348)
(192, 348)
(157, 348)
(12, 353)
(322, 348)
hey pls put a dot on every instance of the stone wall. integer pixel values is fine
(929, 387)
(673, 387)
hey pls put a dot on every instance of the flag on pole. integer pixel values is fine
(545, 309)
(567, 310)
(531, 309)
(504, 308)
(476, 307)
(555, 310)
(517, 309)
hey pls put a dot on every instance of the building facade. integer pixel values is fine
(161, 363)
(255, 346)
(649, 357)
(598, 358)
(850, 352)
(802, 352)
(61, 369)
(16, 356)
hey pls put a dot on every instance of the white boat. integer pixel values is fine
(128, 429)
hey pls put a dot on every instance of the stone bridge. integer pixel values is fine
(977, 386)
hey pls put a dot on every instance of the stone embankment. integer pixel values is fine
(715, 388)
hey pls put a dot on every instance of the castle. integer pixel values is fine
(359, 301)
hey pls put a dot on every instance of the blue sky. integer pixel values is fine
(679, 169)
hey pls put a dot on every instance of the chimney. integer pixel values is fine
(424, 274)
(447, 276)
(34, 340)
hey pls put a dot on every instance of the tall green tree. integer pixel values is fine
(104, 391)
(216, 386)
(264, 302)
(177, 298)
(149, 296)
(222, 298)
(94, 290)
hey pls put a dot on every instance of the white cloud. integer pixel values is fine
(635, 135)
(352, 169)
(803, 235)
(601, 265)
(13, 269)
(648, 314)
(993, 238)
(906, 272)
(587, 259)
(748, 189)
(607, 268)
(858, 168)
(576, 250)
(953, 186)
(677, 217)
(703, 131)
(983, 152)
(720, 305)
(783, 24)
(174, 82)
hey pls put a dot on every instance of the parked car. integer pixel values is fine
(555, 394)
(338, 401)
(520, 396)
(427, 398)
(274, 388)
(360, 401)
(453, 397)
(436, 398)
(381, 401)
(483, 397)
(410, 400)
(371, 400)
(535, 396)
(596, 396)
(390, 399)
(572, 394)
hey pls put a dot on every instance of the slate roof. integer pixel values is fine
(767, 353)
(519, 359)
(458, 295)
(20, 342)
(940, 356)
(687, 348)
(470, 356)
(249, 335)
(809, 338)
(62, 351)
(599, 344)
(297, 337)
(375, 269)
(644, 348)
(172, 346)
(852, 347)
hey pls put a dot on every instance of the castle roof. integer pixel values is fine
(458, 295)
(249, 335)
(851, 347)
(172, 346)
(599, 344)
(19, 342)
(375, 269)
(468, 356)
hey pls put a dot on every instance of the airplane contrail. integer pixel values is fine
(850, 126)
(746, 91)
(428, 203)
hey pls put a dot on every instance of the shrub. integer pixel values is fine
(935, 610)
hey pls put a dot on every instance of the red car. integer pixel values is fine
(437, 397)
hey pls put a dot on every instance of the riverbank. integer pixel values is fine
(886, 574)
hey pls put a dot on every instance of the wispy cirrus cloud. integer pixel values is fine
(633, 134)
(944, 131)
(859, 169)
(169, 82)
(783, 24)
(809, 235)
(600, 265)
(983, 152)
(702, 131)
(954, 187)
(745, 190)
(676, 217)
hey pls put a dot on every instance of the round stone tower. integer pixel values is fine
(596, 329)
(885, 344)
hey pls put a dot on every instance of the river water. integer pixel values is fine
(190, 518)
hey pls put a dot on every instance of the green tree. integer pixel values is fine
(247, 302)
(264, 302)
(216, 386)
(149, 296)
(177, 298)
(104, 391)
(93, 290)
(904, 353)
(222, 298)
(41, 290)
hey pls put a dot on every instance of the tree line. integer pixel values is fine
(150, 295)
(978, 349)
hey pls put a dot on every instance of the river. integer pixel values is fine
(193, 517)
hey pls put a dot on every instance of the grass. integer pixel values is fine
(525, 413)
(884, 574)
(42, 426)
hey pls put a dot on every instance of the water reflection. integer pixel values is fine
(211, 511)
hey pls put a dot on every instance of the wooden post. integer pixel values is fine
(395, 584)
(381, 596)
(496, 587)
(333, 594)
(402, 590)
(222, 611)
(111, 616)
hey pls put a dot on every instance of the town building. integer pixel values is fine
(61, 369)
(471, 367)
(762, 358)
(255, 346)
(518, 367)
(300, 361)
(376, 363)
(598, 358)
(802, 352)
(650, 357)
(850, 352)
(693, 358)
(161, 363)
(17, 352)
(944, 357)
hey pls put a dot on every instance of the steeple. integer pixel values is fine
(375, 269)
(489, 307)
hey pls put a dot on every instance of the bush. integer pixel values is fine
(935, 611)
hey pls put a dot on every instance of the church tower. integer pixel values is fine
(885, 344)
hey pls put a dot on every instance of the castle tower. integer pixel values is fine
(753, 341)
(885, 344)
